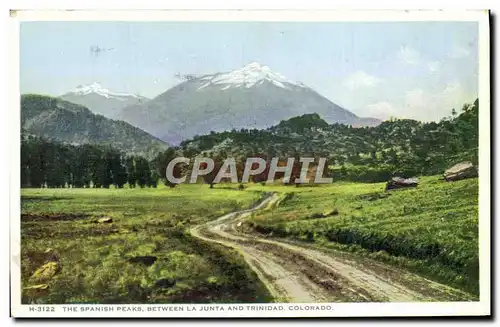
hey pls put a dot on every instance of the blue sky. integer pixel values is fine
(417, 70)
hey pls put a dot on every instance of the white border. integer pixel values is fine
(281, 310)
(484, 163)
(251, 15)
(339, 309)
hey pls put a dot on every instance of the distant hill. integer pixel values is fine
(301, 124)
(305, 135)
(403, 144)
(250, 97)
(67, 122)
(101, 100)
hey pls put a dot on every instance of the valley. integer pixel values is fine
(100, 225)
(189, 233)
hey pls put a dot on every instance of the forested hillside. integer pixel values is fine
(54, 164)
(400, 147)
(63, 121)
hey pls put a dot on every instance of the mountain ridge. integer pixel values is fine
(72, 123)
(250, 97)
(101, 100)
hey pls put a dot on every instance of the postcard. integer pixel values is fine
(250, 164)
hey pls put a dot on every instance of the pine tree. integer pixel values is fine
(142, 171)
(131, 174)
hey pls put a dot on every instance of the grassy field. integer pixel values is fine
(431, 230)
(146, 255)
(71, 258)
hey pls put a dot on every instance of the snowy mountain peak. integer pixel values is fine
(96, 88)
(253, 65)
(90, 88)
(248, 76)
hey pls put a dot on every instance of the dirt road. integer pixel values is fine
(295, 272)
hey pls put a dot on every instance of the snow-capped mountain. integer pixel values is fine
(248, 76)
(250, 97)
(101, 100)
(98, 89)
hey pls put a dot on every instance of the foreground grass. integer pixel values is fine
(95, 261)
(431, 230)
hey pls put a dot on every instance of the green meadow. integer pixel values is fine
(101, 262)
(145, 254)
(431, 230)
